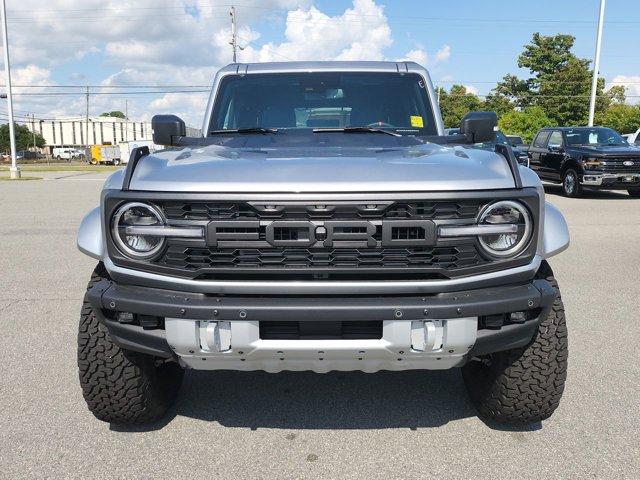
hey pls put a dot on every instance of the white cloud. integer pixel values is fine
(471, 89)
(443, 54)
(145, 43)
(360, 33)
(417, 55)
(420, 55)
(632, 84)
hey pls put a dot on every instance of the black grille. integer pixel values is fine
(218, 261)
(617, 165)
(444, 257)
(335, 330)
(431, 210)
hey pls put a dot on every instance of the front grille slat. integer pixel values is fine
(262, 259)
(416, 257)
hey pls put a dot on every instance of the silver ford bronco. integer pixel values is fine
(323, 221)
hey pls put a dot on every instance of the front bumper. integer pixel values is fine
(418, 332)
(611, 180)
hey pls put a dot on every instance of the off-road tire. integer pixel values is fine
(121, 386)
(634, 192)
(577, 188)
(523, 385)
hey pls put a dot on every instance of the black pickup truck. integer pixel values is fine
(592, 157)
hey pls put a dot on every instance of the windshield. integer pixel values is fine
(324, 100)
(594, 136)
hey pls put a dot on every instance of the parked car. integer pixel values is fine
(274, 244)
(501, 138)
(586, 157)
(516, 141)
(64, 153)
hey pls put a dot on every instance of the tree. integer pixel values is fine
(115, 113)
(622, 118)
(559, 81)
(497, 103)
(564, 96)
(525, 123)
(24, 138)
(456, 103)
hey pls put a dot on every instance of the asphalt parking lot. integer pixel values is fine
(304, 425)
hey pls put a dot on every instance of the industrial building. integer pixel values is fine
(72, 131)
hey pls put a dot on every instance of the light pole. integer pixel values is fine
(15, 171)
(596, 64)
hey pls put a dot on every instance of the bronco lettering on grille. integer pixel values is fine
(330, 233)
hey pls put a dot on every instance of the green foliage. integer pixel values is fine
(545, 55)
(525, 123)
(559, 82)
(622, 118)
(115, 113)
(456, 103)
(24, 138)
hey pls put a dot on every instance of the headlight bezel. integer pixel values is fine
(121, 245)
(523, 242)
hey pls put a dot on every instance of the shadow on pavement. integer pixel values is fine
(553, 189)
(336, 400)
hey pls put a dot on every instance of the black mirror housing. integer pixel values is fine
(479, 127)
(167, 129)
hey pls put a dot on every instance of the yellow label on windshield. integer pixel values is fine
(416, 121)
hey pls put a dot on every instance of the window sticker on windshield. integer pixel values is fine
(416, 121)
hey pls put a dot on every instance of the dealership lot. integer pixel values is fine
(297, 425)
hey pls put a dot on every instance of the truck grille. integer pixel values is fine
(617, 165)
(432, 210)
(258, 258)
(445, 257)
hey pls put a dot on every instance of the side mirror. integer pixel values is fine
(479, 127)
(167, 129)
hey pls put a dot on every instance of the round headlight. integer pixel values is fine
(510, 214)
(131, 243)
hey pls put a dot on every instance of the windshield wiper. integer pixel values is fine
(357, 130)
(245, 130)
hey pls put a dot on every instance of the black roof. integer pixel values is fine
(572, 128)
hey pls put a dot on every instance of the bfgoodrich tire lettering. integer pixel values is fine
(118, 385)
(524, 385)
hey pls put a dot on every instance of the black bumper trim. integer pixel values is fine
(163, 303)
(107, 295)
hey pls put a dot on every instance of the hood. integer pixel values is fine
(607, 151)
(423, 167)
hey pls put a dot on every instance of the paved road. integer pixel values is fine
(302, 425)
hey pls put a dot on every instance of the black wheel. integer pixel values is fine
(523, 385)
(571, 183)
(635, 193)
(116, 162)
(121, 386)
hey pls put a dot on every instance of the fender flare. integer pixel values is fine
(555, 237)
(90, 238)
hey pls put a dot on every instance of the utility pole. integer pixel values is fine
(87, 153)
(596, 64)
(234, 40)
(126, 119)
(33, 130)
(15, 171)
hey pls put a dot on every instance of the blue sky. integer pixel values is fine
(182, 42)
